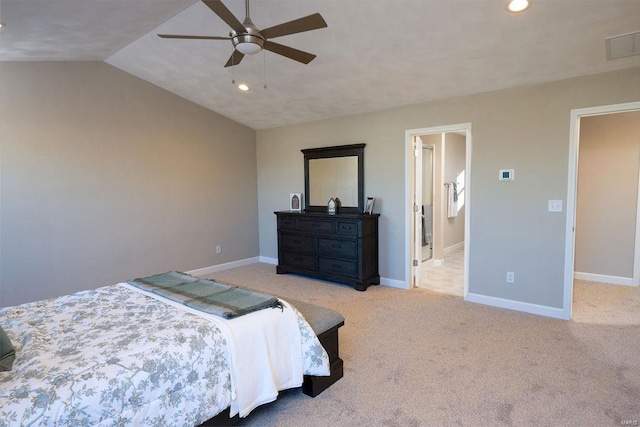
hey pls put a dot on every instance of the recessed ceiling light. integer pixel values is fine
(517, 6)
(243, 87)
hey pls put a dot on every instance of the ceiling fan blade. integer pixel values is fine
(234, 59)
(289, 52)
(225, 14)
(176, 36)
(308, 23)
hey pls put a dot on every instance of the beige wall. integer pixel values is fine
(454, 170)
(607, 194)
(526, 129)
(106, 177)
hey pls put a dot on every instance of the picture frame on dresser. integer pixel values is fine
(368, 207)
(295, 202)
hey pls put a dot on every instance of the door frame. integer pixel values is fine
(408, 155)
(572, 194)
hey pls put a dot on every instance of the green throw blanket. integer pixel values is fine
(205, 295)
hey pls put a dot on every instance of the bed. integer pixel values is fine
(119, 355)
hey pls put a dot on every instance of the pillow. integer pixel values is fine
(7, 352)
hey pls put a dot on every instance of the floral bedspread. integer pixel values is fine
(112, 356)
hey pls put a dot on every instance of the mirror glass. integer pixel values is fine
(331, 172)
(334, 177)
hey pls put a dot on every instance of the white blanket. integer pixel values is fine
(265, 353)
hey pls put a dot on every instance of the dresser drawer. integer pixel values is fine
(347, 228)
(296, 242)
(306, 262)
(316, 225)
(337, 248)
(338, 266)
(286, 223)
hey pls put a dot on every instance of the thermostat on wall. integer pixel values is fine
(506, 175)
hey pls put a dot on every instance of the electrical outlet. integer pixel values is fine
(511, 277)
(555, 206)
(218, 249)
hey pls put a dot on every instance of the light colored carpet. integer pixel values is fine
(601, 304)
(419, 358)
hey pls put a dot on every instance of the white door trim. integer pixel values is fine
(572, 187)
(416, 273)
(409, 133)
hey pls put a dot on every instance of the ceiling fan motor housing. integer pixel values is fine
(248, 43)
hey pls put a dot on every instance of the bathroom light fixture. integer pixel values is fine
(243, 87)
(517, 6)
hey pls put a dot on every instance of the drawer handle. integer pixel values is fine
(347, 228)
(337, 266)
(288, 222)
(336, 246)
(297, 241)
(298, 258)
(315, 225)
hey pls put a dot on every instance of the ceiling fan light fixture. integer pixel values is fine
(248, 48)
(517, 6)
(248, 43)
(243, 87)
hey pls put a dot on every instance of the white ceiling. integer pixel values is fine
(374, 54)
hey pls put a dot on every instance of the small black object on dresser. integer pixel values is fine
(340, 247)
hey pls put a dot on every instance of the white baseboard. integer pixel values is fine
(274, 261)
(268, 260)
(221, 267)
(601, 278)
(541, 310)
(453, 247)
(393, 283)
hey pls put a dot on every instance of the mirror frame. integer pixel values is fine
(336, 151)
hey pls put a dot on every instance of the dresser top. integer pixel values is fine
(327, 215)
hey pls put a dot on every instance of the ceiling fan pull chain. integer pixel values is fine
(264, 68)
(233, 70)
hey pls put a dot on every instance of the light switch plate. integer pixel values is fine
(555, 205)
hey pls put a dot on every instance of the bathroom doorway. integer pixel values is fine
(438, 161)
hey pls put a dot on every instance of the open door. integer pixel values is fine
(417, 212)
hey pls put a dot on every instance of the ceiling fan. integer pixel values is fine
(249, 40)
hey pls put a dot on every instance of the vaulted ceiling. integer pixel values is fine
(374, 54)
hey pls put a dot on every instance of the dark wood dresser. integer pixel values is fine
(341, 248)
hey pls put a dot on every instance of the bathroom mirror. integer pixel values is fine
(334, 172)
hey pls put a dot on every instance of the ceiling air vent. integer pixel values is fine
(623, 46)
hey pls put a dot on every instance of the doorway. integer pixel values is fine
(572, 233)
(438, 162)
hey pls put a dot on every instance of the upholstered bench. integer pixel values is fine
(325, 323)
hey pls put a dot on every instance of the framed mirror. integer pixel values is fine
(334, 172)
